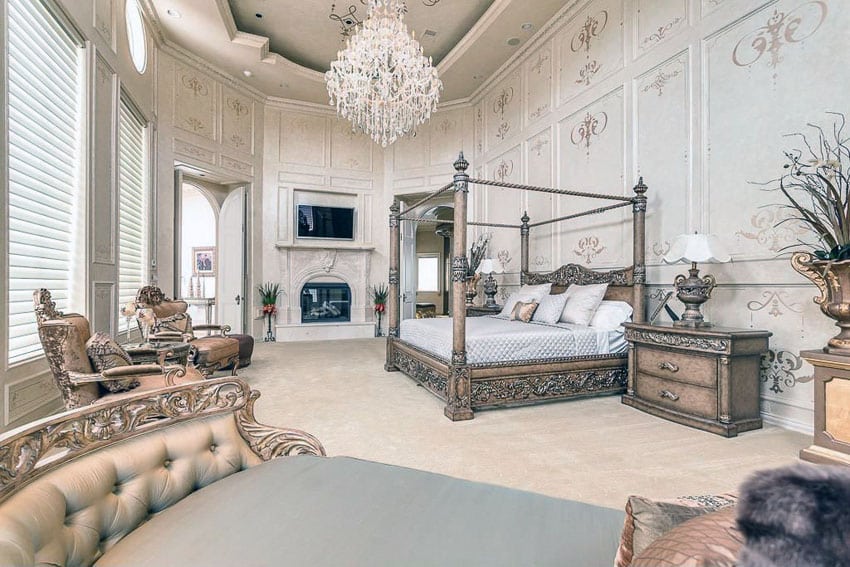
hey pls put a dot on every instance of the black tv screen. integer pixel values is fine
(325, 222)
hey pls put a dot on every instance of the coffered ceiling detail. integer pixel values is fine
(283, 47)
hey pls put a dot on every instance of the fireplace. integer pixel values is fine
(325, 302)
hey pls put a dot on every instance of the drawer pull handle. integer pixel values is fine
(668, 366)
(669, 395)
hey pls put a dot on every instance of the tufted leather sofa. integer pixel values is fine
(75, 484)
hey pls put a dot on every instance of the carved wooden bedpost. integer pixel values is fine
(639, 242)
(523, 232)
(457, 395)
(394, 281)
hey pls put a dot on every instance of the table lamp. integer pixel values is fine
(694, 290)
(490, 287)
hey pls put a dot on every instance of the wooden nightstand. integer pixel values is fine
(707, 377)
(481, 311)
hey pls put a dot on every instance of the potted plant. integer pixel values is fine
(476, 253)
(269, 293)
(817, 189)
(379, 301)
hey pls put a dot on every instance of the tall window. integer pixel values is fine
(133, 204)
(45, 147)
(428, 273)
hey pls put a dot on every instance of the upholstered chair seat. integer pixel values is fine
(68, 342)
(216, 351)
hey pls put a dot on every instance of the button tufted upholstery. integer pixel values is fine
(74, 514)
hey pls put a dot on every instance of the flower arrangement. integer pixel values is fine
(380, 293)
(817, 190)
(269, 292)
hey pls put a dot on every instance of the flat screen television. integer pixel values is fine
(325, 222)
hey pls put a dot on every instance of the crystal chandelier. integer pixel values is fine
(381, 81)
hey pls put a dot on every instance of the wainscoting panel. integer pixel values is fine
(195, 101)
(103, 209)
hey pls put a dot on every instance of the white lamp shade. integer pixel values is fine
(486, 266)
(697, 248)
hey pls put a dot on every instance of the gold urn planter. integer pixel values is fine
(833, 281)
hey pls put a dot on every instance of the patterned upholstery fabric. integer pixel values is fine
(711, 540)
(76, 358)
(177, 323)
(104, 354)
(647, 520)
(524, 311)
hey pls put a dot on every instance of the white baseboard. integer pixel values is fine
(791, 424)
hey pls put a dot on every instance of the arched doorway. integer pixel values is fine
(198, 251)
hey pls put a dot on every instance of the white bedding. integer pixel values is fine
(496, 339)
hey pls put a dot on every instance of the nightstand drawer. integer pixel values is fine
(684, 367)
(685, 398)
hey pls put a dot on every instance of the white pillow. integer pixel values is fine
(550, 308)
(525, 294)
(582, 302)
(611, 314)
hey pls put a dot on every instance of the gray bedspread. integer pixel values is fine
(495, 339)
(310, 511)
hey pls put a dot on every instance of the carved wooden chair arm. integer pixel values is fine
(221, 329)
(78, 378)
(127, 371)
(170, 337)
(271, 442)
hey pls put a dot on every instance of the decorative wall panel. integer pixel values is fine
(102, 209)
(237, 166)
(237, 121)
(503, 111)
(103, 315)
(197, 153)
(504, 206)
(104, 20)
(446, 130)
(302, 138)
(411, 152)
(195, 102)
(592, 160)
(753, 65)
(540, 206)
(657, 22)
(348, 149)
(28, 395)
(538, 84)
(591, 47)
(663, 150)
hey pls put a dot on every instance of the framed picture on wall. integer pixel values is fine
(203, 261)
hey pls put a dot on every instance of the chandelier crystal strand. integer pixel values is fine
(381, 81)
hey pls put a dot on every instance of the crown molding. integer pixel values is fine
(543, 35)
(224, 77)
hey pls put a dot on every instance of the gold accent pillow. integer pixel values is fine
(524, 311)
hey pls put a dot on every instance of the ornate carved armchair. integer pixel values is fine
(216, 351)
(64, 338)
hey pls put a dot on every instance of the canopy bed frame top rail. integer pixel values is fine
(458, 392)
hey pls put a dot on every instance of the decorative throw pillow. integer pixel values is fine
(582, 302)
(611, 314)
(550, 308)
(525, 294)
(524, 311)
(710, 540)
(104, 354)
(647, 520)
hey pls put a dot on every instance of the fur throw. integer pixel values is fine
(796, 516)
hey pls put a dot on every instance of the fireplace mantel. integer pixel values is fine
(322, 245)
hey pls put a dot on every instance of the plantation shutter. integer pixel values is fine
(44, 77)
(133, 206)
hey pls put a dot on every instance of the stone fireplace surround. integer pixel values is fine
(320, 262)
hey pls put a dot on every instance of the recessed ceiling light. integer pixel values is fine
(247, 73)
(476, 77)
(173, 13)
(514, 41)
(259, 15)
(527, 26)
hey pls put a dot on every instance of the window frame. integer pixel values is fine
(129, 6)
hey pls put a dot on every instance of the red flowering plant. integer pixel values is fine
(269, 293)
(379, 297)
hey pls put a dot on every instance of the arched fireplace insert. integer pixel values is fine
(325, 302)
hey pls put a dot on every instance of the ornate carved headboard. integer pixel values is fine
(620, 282)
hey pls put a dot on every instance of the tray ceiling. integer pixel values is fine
(323, 25)
(286, 51)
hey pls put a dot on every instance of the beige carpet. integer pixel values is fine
(594, 450)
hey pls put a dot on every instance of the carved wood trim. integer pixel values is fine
(548, 386)
(675, 340)
(577, 274)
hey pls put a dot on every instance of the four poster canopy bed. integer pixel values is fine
(488, 362)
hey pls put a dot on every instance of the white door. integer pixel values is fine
(408, 269)
(232, 271)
